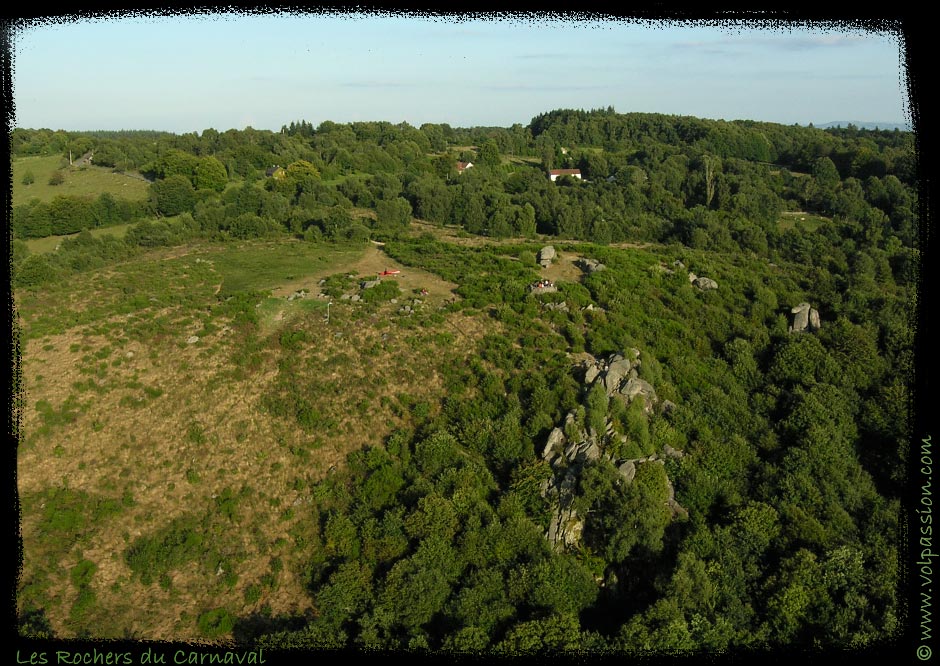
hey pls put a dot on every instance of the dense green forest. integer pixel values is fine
(737, 486)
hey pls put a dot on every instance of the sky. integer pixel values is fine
(188, 73)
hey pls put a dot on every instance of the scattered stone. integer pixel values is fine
(668, 406)
(129, 354)
(355, 297)
(394, 301)
(558, 307)
(345, 297)
(546, 254)
(193, 339)
(678, 264)
(692, 277)
(369, 284)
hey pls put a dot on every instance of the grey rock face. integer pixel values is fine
(616, 372)
(554, 445)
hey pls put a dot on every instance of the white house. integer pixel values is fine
(555, 173)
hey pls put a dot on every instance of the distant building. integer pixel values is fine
(463, 166)
(555, 173)
(275, 172)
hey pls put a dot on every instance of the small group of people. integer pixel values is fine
(541, 284)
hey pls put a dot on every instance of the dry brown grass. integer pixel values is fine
(145, 451)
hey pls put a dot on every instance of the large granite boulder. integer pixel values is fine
(805, 318)
(705, 283)
(546, 254)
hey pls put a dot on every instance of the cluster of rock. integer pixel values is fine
(546, 254)
(559, 307)
(568, 453)
(590, 265)
(298, 294)
(620, 378)
(702, 283)
(805, 318)
(363, 285)
(408, 308)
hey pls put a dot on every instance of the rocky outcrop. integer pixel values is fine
(805, 318)
(369, 284)
(572, 445)
(546, 254)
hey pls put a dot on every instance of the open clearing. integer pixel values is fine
(49, 243)
(86, 181)
(809, 221)
(131, 430)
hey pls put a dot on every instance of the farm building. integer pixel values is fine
(463, 166)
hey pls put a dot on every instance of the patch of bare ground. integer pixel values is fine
(373, 262)
(563, 268)
(202, 428)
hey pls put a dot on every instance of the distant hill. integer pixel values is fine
(904, 127)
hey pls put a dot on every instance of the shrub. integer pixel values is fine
(215, 623)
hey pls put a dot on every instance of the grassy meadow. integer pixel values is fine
(87, 181)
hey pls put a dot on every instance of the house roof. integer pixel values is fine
(565, 172)
(463, 165)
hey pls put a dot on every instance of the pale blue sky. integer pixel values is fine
(189, 73)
